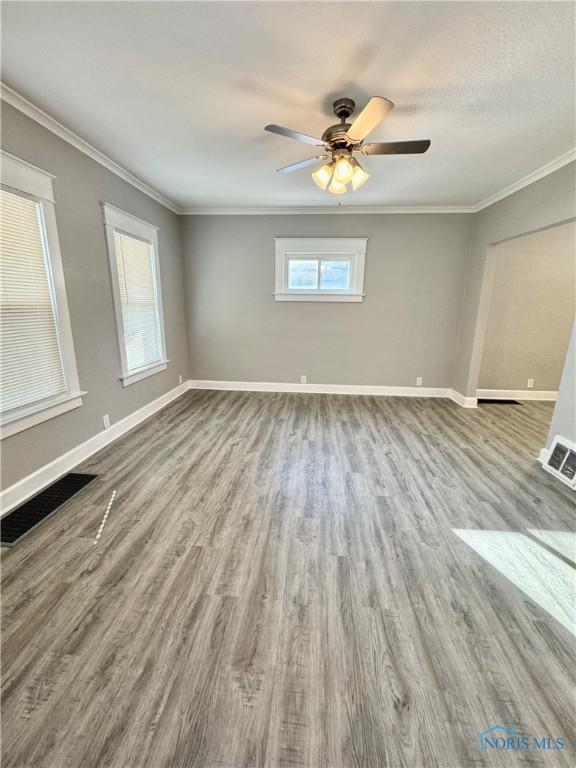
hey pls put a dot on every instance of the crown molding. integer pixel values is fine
(10, 96)
(17, 101)
(335, 210)
(539, 173)
(526, 181)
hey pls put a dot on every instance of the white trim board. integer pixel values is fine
(543, 456)
(328, 209)
(462, 400)
(12, 97)
(17, 101)
(25, 177)
(336, 389)
(40, 413)
(22, 490)
(320, 389)
(525, 181)
(127, 222)
(517, 394)
(539, 173)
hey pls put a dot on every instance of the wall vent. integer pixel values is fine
(561, 461)
(27, 516)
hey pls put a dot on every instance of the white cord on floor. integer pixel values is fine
(105, 516)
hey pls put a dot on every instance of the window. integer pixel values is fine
(320, 269)
(319, 273)
(39, 379)
(133, 251)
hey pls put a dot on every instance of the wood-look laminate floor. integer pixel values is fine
(279, 584)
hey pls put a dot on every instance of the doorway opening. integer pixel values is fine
(530, 318)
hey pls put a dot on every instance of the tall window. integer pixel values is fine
(133, 250)
(38, 378)
(320, 269)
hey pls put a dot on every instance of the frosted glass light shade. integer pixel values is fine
(323, 175)
(336, 188)
(343, 170)
(359, 177)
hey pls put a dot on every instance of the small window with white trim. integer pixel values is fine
(320, 269)
(39, 378)
(134, 269)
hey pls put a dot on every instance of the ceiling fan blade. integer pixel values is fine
(290, 134)
(301, 164)
(396, 148)
(373, 113)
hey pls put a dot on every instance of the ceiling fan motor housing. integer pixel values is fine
(335, 135)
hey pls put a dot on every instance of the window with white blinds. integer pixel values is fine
(32, 365)
(138, 301)
(38, 374)
(133, 250)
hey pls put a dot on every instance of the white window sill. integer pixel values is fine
(132, 378)
(32, 416)
(319, 296)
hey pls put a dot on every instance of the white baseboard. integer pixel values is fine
(18, 493)
(544, 456)
(517, 394)
(463, 400)
(321, 389)
(337, 389)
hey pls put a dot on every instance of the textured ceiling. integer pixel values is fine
(179, 93)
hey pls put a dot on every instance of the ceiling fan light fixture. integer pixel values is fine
(323, 175)
(340, 141)
(343, 170)
(359, 176)
(336, 187)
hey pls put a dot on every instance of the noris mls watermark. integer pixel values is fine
(502, 737)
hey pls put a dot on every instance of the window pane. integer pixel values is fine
(32, 368)
(138, 297)
(335, 275)
(303, 273)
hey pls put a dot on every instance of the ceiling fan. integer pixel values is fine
(341, 140)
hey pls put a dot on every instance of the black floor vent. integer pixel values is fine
(28, 515)
(490, 401)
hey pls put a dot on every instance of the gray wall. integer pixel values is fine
(425, 281)
(549, 201)
(80, 186)
(531, 311)
(406, 326)
(564, 418)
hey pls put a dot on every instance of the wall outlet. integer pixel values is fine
(303, 379)
(419, 381)
(106, 420)
(530, 384)
(180, 379)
